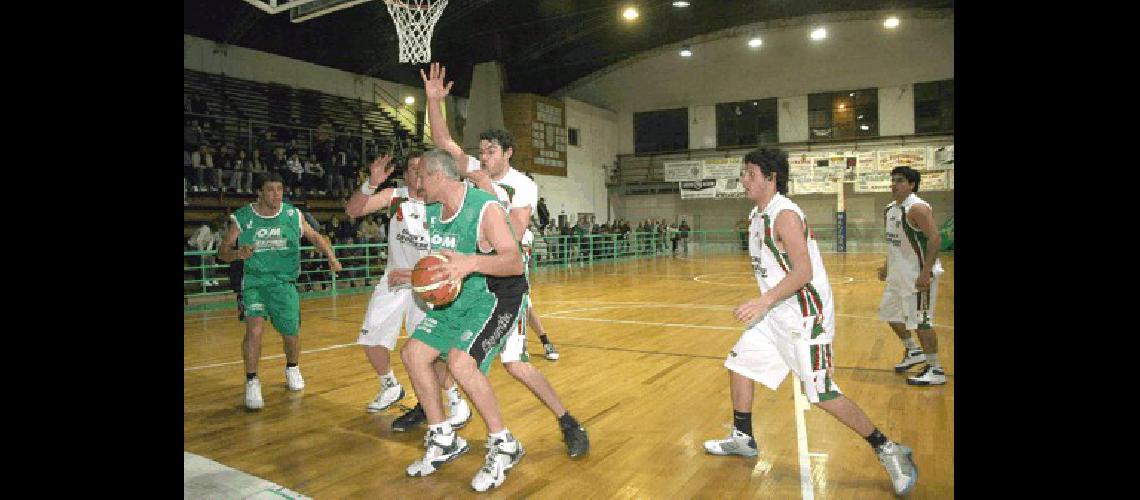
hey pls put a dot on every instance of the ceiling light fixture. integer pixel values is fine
(686, 51)
(409, 100)
(891, 23)
(819, 34)
(681, 4)
(755, 42)
(864, 127)
(630, 13)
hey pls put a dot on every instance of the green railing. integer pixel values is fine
(206, 280)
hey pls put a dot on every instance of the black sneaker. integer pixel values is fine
(412, 418)
(577, 441)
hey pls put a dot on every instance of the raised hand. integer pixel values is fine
(381, 169)
(433, 84)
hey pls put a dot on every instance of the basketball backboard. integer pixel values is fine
(303, 10)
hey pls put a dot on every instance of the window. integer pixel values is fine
(661, 131)
(843, 114)
(934, 107)
(746, 123)
(572, 136)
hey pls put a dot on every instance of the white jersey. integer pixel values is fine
(906, 246)
(771, 265)
(407, 231)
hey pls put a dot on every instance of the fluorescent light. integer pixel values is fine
(409, 100)
(891, 22)
(685, 52)
(630, 13)
(860, 117)
(864, 127)
(755, 42)
(819, 34)
(680, 4)
(842, 106)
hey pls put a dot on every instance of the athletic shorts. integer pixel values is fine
(389, 308)
(480, 329)
(784, 342)
(914, 309)
(279, 301)
(515, 347)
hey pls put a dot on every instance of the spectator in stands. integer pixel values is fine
(369, 231)
(198, 105)
(671, 235)
(224, 173)
(241, 178)
(296, 171)
(191, 134)
(334, 177)
(187, 173)
(257, 165)
(543, 215)
(683, 237)
(314, 174)
(205, 239)
(203, 162)
(350, 170)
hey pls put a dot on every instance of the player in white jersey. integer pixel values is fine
(393, 303)
(791, 324)
(492, 172)
(911, 272)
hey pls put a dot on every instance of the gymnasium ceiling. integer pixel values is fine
(543, 45)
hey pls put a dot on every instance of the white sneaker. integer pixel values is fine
(551, 352)
(929, 376)
(896, 459)
(253, 399)
(388, 395)
(437, 453)
(502, 456)
(910, 358)
(737, 443)
(458, 414)
(294, 379)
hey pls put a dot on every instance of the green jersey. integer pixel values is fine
(461, 234)
(276, 241)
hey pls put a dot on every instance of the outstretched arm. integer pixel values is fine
(436, 91)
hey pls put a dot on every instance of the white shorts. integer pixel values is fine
(387, 310)
(514, 349)
(915, 309)
(780, 343)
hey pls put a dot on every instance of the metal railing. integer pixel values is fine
(206, 280)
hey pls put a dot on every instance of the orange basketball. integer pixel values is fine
(436, 293)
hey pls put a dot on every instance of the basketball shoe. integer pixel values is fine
(737, 443)
(577, 441)
(390, 392)
(910, 358)
(253, 399)
(551, 352)
(929, 376)
(441, 449)
(409, 419)
(294, 379)
(896, 459)
(502, 456)
(459, 413)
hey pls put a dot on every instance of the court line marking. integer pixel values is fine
(801, 406)
(697, 278)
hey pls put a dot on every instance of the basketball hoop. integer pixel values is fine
(415, 20)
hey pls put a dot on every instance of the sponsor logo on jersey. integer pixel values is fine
(289, 212)
(445, 241)
(266, 232)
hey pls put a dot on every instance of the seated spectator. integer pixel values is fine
(334, 177)
(257, 165)
(296, 173)
(202, 162)
(225, 168)
(242, 177)
(314, 173)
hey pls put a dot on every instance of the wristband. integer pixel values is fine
(367, 189)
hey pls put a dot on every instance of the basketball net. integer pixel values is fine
(415, 20)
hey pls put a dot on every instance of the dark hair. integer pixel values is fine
(912, 175)
(504, 138)
(771, 160)
(260, 179)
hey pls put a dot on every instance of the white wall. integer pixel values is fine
(584, 187)
(896, 110)
(702, 127)
(858, 53)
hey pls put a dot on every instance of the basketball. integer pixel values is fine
(436, 293)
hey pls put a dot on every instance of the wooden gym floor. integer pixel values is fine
(642, 345)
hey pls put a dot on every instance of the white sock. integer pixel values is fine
(932, 360)
(443, 429)
(453, 396)
(388, 379)
(505, 435)
(911, 344)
